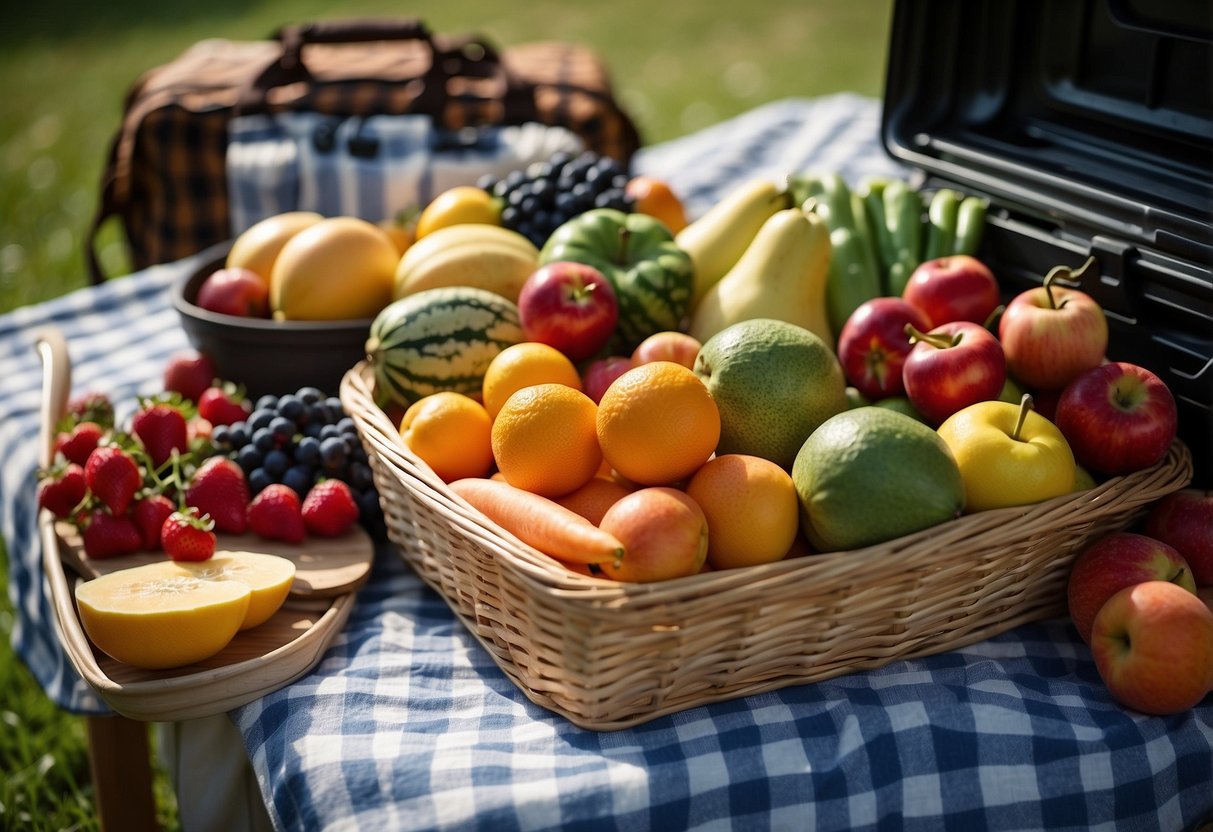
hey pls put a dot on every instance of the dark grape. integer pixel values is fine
(300, 478)
(258, 479)
(248, 458)
(545, 195)
(276, 462)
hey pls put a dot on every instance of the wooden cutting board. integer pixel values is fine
(325, 567)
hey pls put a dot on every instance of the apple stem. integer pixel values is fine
(940, 340)
(993, 316)
(1069, 274)
(1025, 404)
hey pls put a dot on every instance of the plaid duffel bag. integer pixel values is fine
(167, 177)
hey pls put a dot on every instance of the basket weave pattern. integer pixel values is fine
(609, 655)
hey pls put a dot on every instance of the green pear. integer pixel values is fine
(781, 275)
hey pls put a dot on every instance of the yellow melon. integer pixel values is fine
(268, 577)
(161, 615)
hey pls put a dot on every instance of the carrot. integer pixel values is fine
(539, 522)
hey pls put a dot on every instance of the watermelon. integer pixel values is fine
(653, 278)
(439, 339)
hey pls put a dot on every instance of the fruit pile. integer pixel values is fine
(805, 367)
(169, 481)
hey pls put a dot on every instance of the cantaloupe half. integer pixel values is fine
(269, 577)
(170, 614)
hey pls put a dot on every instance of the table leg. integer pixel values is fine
(122, 774)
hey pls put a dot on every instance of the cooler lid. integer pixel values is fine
(1096, 113)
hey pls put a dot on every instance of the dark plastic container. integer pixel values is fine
(269, 356)
(1089, 125)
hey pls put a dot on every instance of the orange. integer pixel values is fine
(524, 365)
(657, 423)
(655, 197)
(593, 499)
(451, 433)
(544, 439)
(752, 509)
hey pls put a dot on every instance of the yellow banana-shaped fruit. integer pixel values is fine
(781, 275)
(482, 256)
(716, 240)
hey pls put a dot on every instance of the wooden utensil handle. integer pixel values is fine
(56, 388)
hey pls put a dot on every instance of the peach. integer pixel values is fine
(664, 534)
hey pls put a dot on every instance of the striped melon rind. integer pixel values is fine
(439, 339)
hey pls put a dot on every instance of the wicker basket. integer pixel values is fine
(610, 655)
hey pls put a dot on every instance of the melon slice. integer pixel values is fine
(269, 578)
(169, 614)
(159, 615)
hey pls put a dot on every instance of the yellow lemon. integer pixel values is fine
(1008, 455)
(459, 205)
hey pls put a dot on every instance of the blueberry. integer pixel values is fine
(266, 402)
(239, 434)
(249, 458)
(260, 418)
(333, 453)
(346, 425)
(258, 479)
(329, 432)
(221, 435)
(359, 476)
(276, 462)
(308, 451)
(291, 407)
(263, 440)
(312, 430)
(300, 478)
(282, 429)
(310, 395)
(368, 506)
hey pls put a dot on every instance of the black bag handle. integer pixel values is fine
(289, 66)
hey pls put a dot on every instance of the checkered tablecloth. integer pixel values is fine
(408, 724)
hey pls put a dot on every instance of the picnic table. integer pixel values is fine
(406, 723)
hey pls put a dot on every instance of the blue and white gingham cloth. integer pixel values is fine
(408, 724)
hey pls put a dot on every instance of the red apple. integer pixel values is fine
(1153, 647)
(189, 373)
(1184, 520)
(1052, 334)
(1118, 418)
(957, 288)
(599, 374)
(1113, 562)
(873, 345)
(951, 367)
(670, 345)
(569, 306)
(235, 291)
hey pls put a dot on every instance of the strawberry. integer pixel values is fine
(223, 406)
(329, 508)
(113, 477)
(189, 373)
(186, 536)
(91, 407)
(107, 536)
(149, 515)
(63, 490)
(219, 489)
(162, 429)
(79, 442)
(275, 514)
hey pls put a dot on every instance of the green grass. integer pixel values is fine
(676, 67)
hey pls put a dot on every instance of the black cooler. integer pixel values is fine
(1089, 125)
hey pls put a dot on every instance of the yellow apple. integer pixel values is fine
(1008, 455)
